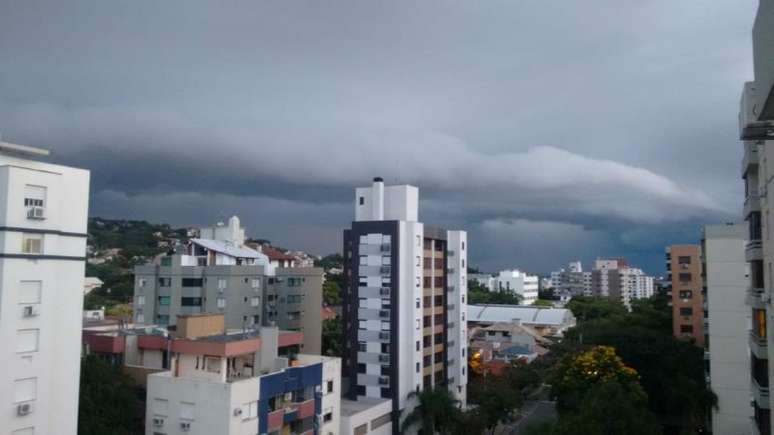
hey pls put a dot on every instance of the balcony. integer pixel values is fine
(750, 158)
(759, 346)
(753, 250)
(756, 297)
(751, 203)
(760, 394)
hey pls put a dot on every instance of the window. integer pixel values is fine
(27, 340)
(164, 300)
(192, 282)
(191, 302)
(250, 410)
(32, 243)
(25, 390)
(686, 311)
(686, 329)
(34, 196)
(686, 294)
(29, 292)
(165, 282)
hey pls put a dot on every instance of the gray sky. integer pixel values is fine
(550, 130)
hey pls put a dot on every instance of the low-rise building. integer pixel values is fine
(548, 322)
(214, 381)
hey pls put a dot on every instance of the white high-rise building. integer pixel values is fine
(726, 283)
(404, 307)
(43, 219)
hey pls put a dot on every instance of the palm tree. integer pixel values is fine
(435, 411)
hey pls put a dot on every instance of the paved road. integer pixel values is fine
(533, 412)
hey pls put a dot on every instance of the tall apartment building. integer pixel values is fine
(404, 305)
(756, 125)
(683, 264)
(42, 260)
(218, 273)
(726, 282)
(614, 278)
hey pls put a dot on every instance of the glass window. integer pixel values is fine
(32, 243)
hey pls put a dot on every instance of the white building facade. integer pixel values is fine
(726, 282)
(43, 223)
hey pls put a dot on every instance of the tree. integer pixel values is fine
(331, 293)
(496, 400)
(586, 308)
(598, 394)
(436, 411)
(109, 401)
(332, 337)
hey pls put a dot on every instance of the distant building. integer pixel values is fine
(615, 279)
(43, 227)
(223, 275)
(727, 282)
(548, 322)
(404, 304)
(519, 283)
(684, 271)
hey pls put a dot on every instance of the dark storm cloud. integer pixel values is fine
(608, 125)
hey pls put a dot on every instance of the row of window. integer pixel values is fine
(198, 282)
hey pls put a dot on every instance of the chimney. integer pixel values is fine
(377, 207)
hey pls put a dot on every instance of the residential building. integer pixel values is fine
(42, 261)
(506, 342)
(548, 322)
(512, 281)
(684, 271)
(756, 130)
(223, 275)
(728, 318)
(519, 283)
(614, 278)
(404, 303)
(236, 383)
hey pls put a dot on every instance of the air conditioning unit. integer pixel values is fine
(158, 422)
(23, 409)
(30, 311)
(185, 426)
(750, 125)
(36, 213)
(237, 412)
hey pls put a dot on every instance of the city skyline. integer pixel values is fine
(531, 122)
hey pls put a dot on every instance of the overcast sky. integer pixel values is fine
(550, 130)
